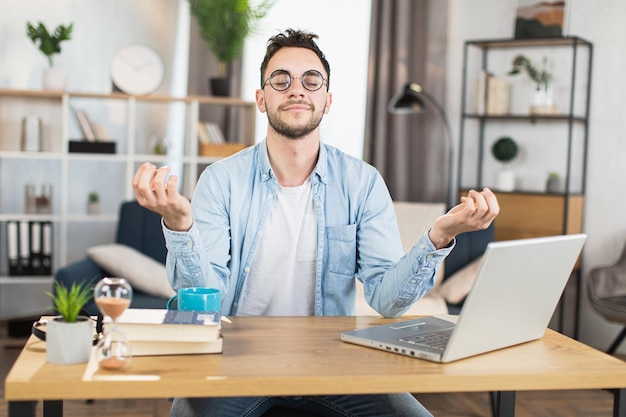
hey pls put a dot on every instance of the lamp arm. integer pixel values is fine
(450, 201)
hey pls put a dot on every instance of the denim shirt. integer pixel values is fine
(357, 234)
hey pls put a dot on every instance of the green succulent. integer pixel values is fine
(504, 149)
(225, 24)
(523, 63)
(69, 302)
(49, 44)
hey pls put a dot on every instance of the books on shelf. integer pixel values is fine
(154, 348)
(85, 126)
(173, 326)
(210, 133)
(92, 131)
(492, 94)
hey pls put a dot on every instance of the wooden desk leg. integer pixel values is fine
(504, 405)
(22, 408)
(619, 403)
(53, 408)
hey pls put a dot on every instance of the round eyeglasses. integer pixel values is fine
(281, 80)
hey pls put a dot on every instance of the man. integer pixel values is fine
(285, 226)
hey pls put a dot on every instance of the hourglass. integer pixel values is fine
(113, 296)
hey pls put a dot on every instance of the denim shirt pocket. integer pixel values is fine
(342, 249)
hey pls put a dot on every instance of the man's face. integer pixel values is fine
(295, 112)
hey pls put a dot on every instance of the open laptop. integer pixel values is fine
(517, 289)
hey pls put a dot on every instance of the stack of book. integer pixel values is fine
(170, 332)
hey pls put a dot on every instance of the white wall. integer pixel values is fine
(101, 27)
(343, 30)
(603, 25)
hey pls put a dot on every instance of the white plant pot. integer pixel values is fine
(93, 208)
(69, 343)
(505, 180)
(54, 78)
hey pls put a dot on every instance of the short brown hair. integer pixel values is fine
(298, 39)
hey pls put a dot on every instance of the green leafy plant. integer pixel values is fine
(554, 176)
(49, 44)
(69, 302)
(504, 149)
(93, 197)
(523, 63)
(225, 24)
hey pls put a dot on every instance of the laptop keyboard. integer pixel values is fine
(436, 341)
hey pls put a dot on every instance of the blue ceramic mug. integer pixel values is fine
(197, 299)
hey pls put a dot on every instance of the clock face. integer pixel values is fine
(137, 70)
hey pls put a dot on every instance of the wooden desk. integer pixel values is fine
(305, 356)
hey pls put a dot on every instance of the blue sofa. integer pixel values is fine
(140, 228)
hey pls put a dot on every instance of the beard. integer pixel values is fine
(294, 132)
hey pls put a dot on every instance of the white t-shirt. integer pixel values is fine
(281, 281)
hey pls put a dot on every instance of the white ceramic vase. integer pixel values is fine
(54, 78)
(93, 208)
(505, 180)
(69, 343)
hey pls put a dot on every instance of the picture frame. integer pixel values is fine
(535, 19)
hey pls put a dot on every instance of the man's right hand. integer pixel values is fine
(155, 191)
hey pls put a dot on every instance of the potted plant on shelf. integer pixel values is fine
(553, 183)
(504, 150)
(93, 203)
(69, 336)
(224, 26)
(54, 78)
(543, 98)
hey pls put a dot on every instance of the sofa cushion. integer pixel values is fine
(458, 285)
(143, 272)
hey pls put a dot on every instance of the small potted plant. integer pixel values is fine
(543, 99)
(504, 150)
(93, 203)
(69, 336)
(224, 26)
(553, 183)
(50, 44)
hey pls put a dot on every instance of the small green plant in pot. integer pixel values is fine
(93, 203)
(543, 99)
(504, 150)
(50, 44)
(553, 183)
(69, 337)
(69, 302)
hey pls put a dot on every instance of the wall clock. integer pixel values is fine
(137, 70)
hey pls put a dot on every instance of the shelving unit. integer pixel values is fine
(565, 133)
(549, 142)
(134, 123)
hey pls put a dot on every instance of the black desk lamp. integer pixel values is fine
(410, 102)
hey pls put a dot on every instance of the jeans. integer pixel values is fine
(383, 405)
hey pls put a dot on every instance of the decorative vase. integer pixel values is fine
(543, 100)
(54, 78)
(553, 186)
(220, 86)
(505, 180)
(93, 207)
(69, 343)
